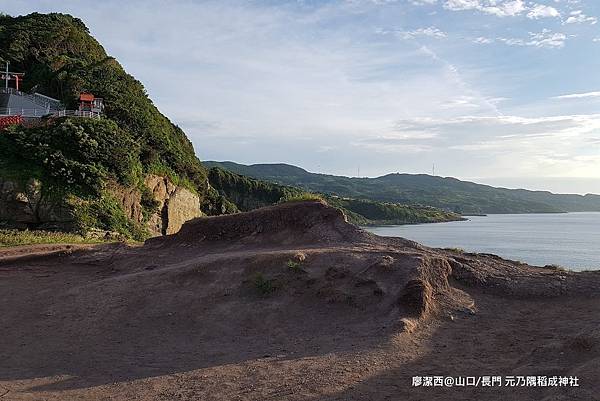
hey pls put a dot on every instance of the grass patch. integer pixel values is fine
(556, 267)
(304, 197)
(294, 266)
(31, 237)
(263, 285)
(456, 250)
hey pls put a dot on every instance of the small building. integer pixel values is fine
(90, 104)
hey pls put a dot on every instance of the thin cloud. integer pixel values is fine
(514, 143)
(483, 40)
(542, 11)
(578, 17)
(431, 32)
(544, 39)
(499, 8)
(578, 95)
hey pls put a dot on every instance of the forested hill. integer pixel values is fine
(61, 59)
(442, 192)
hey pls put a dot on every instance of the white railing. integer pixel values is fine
(12, 111)
(76, 113)
(11, 91)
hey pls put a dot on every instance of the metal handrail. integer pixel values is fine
(12, 111)
(11, 91)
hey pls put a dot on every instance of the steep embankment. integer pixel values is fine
(442, 192)
(288, 302)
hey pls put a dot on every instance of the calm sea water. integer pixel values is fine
(571, 239)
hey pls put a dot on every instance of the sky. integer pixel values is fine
(503, 92)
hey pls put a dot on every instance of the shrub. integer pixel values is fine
(294, 266)
(72, 155)
(105, 213)
(455, 250)
(149, 204)
(263, 285)
(556, 267)
(306, 196)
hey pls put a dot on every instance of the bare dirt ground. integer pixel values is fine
(287, 303)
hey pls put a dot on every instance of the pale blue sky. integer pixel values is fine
(502, 91)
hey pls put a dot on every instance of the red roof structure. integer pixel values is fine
(89, 103)
(86, 97)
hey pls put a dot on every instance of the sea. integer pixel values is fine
(570, 240)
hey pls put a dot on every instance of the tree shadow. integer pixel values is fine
(507, 337)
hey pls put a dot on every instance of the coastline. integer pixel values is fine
(567, 239)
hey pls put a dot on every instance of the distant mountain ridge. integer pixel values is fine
(443, 192)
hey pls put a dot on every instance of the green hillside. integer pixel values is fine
(77, 160)
(445, 193)
(246, 193)
(373, 213)
(61, 59)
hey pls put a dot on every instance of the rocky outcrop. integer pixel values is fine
(182, 206)
(305, 222)
(131, 201)
(24, 206)
(176, 205)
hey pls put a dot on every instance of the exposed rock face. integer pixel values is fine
(24, 206)
(176, 205)
(181, 207)
(130, 199)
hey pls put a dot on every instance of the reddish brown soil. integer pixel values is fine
(287, 303)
